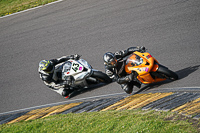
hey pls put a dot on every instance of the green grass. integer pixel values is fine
(134, 121)
(11, 6)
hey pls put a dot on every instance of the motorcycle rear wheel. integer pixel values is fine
(102, 77)
(167, 73)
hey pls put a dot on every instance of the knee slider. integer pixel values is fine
(65, 92)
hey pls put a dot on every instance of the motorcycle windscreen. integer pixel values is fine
(134, 60)
(66, 67)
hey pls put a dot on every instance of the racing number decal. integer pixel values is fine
(75, 67)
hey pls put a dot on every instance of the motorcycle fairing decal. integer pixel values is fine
(148, 56)
(75, 67)
(80, 68)
(146, 69)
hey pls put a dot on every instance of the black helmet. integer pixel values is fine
(46, 65)
(110, 59)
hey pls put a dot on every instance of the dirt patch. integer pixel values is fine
(177, 117)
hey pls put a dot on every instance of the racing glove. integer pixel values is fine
(75, 57)
(142, 49)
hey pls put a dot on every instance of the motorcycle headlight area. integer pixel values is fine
(66, 67)
(135, 59)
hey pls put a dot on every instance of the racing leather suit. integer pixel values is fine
(54, 79)
(119, 74)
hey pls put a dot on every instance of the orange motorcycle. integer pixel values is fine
(148, 68)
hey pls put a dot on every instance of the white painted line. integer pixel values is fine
(31, 9)
(197, 87)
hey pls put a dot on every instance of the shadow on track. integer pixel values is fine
(84, 90)
(181, 73)
(187, 71)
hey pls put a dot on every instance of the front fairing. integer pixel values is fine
(85, 63)
(142, 63)
(145, 69)
(134, 61)
(79, 69)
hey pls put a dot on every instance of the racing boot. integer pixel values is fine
(67, 92)
(137, 84)
(128, 88)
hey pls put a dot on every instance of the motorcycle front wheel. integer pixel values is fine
(164, 71)
(102, 77)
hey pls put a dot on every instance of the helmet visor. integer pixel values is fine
(49, 68)
(112, 62)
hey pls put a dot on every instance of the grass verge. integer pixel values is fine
(132, 121)
(11, 6)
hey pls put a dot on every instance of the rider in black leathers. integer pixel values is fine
(114, 68)
(52, 76)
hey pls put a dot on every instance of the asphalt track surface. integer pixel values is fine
(169, 29)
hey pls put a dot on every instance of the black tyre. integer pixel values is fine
(102, 77)
(164, 71)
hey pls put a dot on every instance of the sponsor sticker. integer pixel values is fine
(148, 56)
